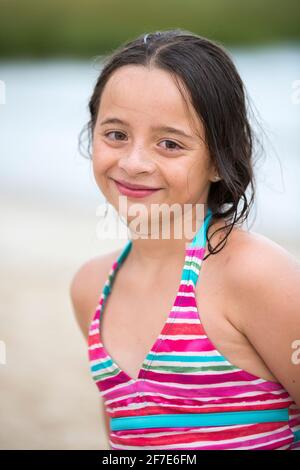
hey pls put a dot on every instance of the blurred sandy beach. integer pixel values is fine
(48, 399)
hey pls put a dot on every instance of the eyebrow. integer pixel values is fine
(168, 129)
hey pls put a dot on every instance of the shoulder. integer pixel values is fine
(255, 263)
(258, 272)
(262, 282)
(86, 287)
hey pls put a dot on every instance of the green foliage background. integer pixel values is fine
(73, 28)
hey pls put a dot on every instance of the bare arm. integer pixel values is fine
(267, 280)
(86, 287)
(84, 294)
(85, 290)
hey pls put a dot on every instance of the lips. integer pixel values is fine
(133, 192)
(134, 186)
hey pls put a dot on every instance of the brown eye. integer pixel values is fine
(172, 144)
(114, 132)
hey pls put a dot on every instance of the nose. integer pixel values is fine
(137, 161)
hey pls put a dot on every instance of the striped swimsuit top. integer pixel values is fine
(187, 394)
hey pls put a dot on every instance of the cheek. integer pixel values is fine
(102, 159)
(196, 177)
(186, 176)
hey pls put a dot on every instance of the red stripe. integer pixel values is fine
(188, 437)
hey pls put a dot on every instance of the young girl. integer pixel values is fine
(183, 360)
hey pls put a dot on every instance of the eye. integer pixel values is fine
(114, 132)
(173, 143)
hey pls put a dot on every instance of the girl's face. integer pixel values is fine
(137, 146)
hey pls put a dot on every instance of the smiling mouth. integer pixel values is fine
(131, 192)
(135, 186)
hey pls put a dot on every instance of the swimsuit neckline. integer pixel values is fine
(194, 253)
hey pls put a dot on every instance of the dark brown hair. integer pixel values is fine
(218, 96)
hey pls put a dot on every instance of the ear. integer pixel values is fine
(214, 174)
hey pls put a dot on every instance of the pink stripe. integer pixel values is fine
(197, 434)
(185, 315)
(295, 446)
(245, 430)
(197, 379)
(113, 381)
(284, 438)
(227, 390)
(185, 302)
(97, 353)
(127, 389)
(294, 422)
(196, 252)
(179, 402)
(185, 345)
(186, 288)
(255, 442)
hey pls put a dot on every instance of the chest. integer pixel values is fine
(135, 314)
(134, 317)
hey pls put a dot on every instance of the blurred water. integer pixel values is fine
(46, 107)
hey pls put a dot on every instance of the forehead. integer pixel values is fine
(139, 92)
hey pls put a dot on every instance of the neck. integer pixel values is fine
(151, 254)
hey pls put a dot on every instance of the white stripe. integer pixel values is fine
(206, 386)
(186, 294)
(177, 308)
(189, 353)
(193, 258)
(188, 282)
(195, 373)
(94, 331)
(185, 364)
(194, 398)
(95, 346)
(192, 321)
(182, 337)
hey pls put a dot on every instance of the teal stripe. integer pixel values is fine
(199, 240)
(106, 290)
(163, 357)
(102, 365)
(199, 419)
(200, 237)
(125, 252)
(297, 436)
(189, 274)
